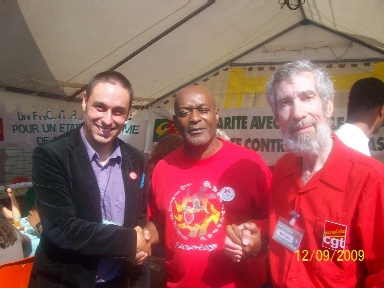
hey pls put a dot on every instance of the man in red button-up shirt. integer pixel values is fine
(327, 200)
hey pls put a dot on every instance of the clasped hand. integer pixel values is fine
(143, 248)
(242, 241)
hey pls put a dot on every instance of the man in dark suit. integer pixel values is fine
(91, 193)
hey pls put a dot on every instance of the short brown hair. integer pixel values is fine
(111, 77)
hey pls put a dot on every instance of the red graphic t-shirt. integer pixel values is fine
(195, 200)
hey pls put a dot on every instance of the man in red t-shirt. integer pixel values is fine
(200, 188)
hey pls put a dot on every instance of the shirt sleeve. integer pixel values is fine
(371, 231)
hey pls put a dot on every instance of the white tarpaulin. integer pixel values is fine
(53, 48)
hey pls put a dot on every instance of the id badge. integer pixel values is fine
(286, 234)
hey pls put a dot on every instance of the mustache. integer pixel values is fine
(300, 124)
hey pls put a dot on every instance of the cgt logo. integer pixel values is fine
(163, 127)
(334, 243)
(335, 235)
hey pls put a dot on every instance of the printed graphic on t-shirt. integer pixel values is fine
(197, 214)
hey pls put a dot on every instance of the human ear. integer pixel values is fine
(329, 108)
(381, 111)
(84, 103)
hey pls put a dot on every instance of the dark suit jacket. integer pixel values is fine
(68, 199)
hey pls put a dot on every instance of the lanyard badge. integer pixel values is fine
(286, 234)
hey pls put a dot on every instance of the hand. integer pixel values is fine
(231, 248)
(143, 248)
(11, 192)
(242, 241)
(33, 218)
(15, 211)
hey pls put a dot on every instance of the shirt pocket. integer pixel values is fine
(340, 266)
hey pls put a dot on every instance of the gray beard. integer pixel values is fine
(305, 144)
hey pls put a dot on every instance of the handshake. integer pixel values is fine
(143, 247)
(243, 241)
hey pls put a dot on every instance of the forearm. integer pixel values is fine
(16, 214)
(6, 212)
(15, 209)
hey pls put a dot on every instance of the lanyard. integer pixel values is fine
(295, 216)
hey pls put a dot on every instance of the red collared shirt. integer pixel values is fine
(348, 190)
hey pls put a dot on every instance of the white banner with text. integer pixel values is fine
(254, 128)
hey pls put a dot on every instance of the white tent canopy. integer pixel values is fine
(50, 49)
(53, 48)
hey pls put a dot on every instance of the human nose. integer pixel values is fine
(107, 118)
(195, 115)
(298, 110)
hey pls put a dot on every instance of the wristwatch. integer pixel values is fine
(38, 225)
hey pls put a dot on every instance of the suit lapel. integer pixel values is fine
(131, 178)
(85, 174)
(82, 170)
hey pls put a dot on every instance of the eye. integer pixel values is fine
(118, 112)
(309, 95)
(99, 108)
(283, 102)
(204, 110)
(184, 112)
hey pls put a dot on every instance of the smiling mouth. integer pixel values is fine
(104, 130)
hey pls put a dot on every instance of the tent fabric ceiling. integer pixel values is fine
(53, 48)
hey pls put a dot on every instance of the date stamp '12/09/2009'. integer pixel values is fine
(327, 255)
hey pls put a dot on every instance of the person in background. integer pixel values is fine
(198, 189)
(327, 200)
(156, 261)
(29, 201)
(13, 214)
(91, 192)
(11, 241)
(165, 146)
(365, 114)
(30, 210)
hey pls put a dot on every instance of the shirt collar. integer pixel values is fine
(336, 169)
(92, 154)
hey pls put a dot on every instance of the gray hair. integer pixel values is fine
(323, 82)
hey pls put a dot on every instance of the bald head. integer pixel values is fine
(190, 92)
